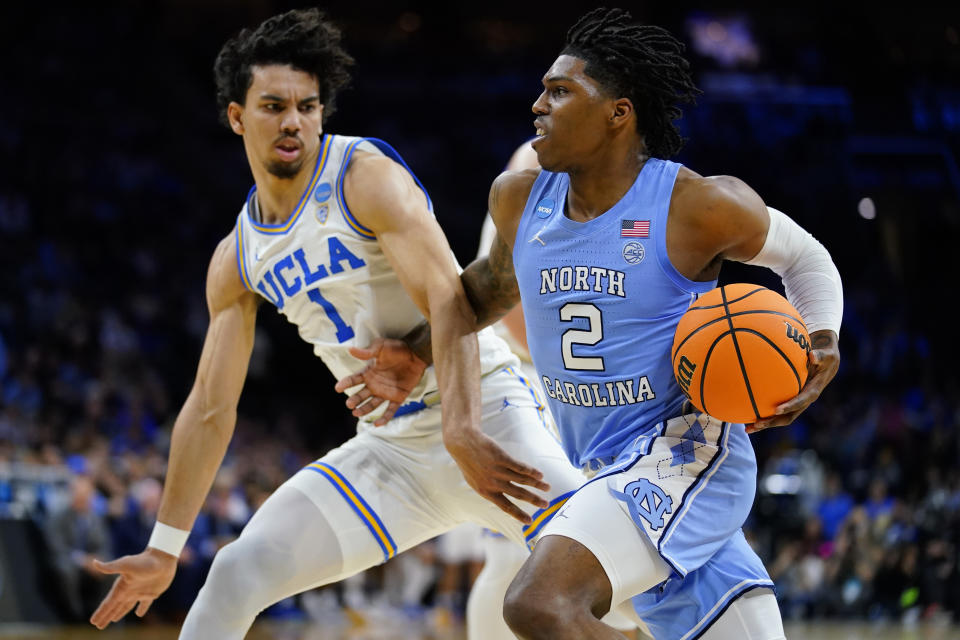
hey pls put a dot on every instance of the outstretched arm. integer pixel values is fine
(813, 285)
(396, 365)
(202, 431)
(490, 285)
(524, 157)
(489, 281)
(384, 198)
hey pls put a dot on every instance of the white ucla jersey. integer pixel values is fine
(327, 274)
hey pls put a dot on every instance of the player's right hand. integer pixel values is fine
(141, 579)
(493, 473)
(823, 361)
(392, 373)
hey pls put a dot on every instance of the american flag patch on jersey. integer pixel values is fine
(634, 228)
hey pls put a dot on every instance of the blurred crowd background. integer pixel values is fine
(118, 182)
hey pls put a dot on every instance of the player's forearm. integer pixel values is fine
(824, 339)
(199, 442)
(420, 341)
(456, 357)
(810, 278)
(491, 296)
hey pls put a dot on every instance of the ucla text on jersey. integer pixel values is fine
(326, 272)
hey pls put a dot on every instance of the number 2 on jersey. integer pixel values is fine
(591, 336)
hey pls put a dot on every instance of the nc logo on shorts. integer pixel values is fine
(645, 500)
(545, 208)
(633, 252)
(322, 192)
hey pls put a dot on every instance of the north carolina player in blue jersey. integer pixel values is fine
(502, 556)
(606, 248)
(339, 236)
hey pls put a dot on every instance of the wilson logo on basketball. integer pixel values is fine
(747, 364)
(797, 336)
(685, 370)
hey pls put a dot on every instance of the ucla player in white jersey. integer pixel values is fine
(605, 248)
(339, 237)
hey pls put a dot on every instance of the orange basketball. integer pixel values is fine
(740, 351)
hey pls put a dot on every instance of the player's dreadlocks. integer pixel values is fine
(302, 38)
(640, 62)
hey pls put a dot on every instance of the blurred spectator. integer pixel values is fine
(132, 513)
(879, 504)
(799, 571)
(76, 535)
(834, 506)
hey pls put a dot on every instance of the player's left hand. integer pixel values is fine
(822, 365)
(141, 579)
(494, 473)
(392, 373)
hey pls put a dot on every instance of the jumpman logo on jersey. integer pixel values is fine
(647, 501)
(538, 239)
(507, 403)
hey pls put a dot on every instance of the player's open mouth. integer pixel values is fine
(287, 151)
(541, 133)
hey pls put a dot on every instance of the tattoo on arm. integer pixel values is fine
(491, 288)
(491, 284)
(419, 342)
(822, 339)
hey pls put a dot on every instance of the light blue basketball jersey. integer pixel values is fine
(602, 302)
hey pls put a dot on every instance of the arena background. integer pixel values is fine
(117, 182)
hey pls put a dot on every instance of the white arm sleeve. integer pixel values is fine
(810, 278)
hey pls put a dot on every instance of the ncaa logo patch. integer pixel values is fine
(322, 192)
(545, 208)
(322, 214)
(633, 252)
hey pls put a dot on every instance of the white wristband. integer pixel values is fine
(168, 539)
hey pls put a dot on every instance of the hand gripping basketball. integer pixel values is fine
(740, 351)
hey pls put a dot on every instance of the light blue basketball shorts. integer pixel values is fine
(664, 520)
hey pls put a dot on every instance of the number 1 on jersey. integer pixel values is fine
(591, 336)
(344, 331)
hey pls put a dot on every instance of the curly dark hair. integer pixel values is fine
(641, 62)
(302, 38)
